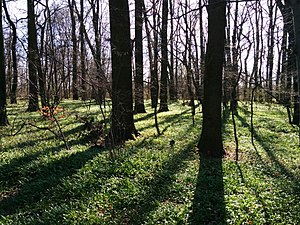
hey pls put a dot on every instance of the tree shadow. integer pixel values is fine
(158, 190)
(167, 121)
(225, 118)
(144, 117)
(256, 192)
(43, 179)
(272, 166)
(208, 207)
(267, 146)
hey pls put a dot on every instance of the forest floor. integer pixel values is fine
(47, 178)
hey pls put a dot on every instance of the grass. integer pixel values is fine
(147, 181)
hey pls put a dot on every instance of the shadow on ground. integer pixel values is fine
(43, 180)
(208, 207)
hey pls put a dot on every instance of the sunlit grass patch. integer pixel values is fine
(149, 180)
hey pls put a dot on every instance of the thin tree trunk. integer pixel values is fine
(82, 53)
(187, 61)
(14, 86)
(171, 68)
(235, 69)
(154, 64)
(228, 62)
(202, 49)
(296, 18)
(139, 72)
(101, 86)
(53, 60)
(71, 4)
(271, 43)
(3, 113)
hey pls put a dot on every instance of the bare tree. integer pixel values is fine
(71, 4)
(82, 52)
(172, 90)
(163, 107)
(13, 91)
(32, 58)
(153, 46)
(3, 114)
(271, 43)
(210, 143)
(139, 72)
(296, 18)
(122, 101)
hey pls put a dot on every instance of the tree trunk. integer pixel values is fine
(82, 54)
(139, 72)
(100, 77)
(153, 57)
(210, 143)
(172, 90)
(296, 18)
(287, 59)
(202, 49)
(53, 85)
(271, 42)
(3, 114)
(122, 102)
(187, 58)
(163, 107)
(234, 67)
(71, 4)
(228, 62)
(32, 54)
(14, 85)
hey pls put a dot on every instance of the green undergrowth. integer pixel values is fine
(147, 180)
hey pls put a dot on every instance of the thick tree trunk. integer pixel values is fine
(32, 54)
(122, 102)
(139, 72)
(3, 114)
(210, 143)
(163, 107)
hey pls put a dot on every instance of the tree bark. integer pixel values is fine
(71, 4)
(32, 54)
(3, 114)
(14, 85)
(139, 72)
(295, 4)
(210, 143)
(163, 107)
(153, 56)
(101, 79)
(234, 67)
(122, 101)
(82, 53)
(271, 42)
(172, 91)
